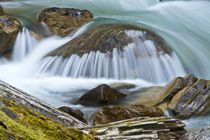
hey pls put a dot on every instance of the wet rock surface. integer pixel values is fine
(202, 134)
(75, 113)
(186, 97)
(64, 21)
(110, 113)
(101, 95)
(105, 38)
(9, 28)
(155, 128)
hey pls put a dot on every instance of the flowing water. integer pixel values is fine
(184, 25)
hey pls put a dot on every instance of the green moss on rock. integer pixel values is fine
(32, 125)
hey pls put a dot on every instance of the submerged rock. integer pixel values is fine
(110, 113)
(122, 86)
(25, 117)
(155, 128)
(101, 95)
(185, 97)
(203, 134)
(75, 113)
(105, 38)
(9, 28)
(147, 96)
(63, 21)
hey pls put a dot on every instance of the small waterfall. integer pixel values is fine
(24, 44)
(137, 60)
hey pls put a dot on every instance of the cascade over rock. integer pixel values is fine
(101, 95)
(111, 113)
(9, 28)
(114, 51)
(63, 21)
(105, 38)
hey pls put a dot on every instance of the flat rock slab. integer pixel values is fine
(140, 128)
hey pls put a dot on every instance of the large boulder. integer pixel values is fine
(101, 95)
(9, 28)
(75, 113)
(185, 97)
(105, 38)
(148, 128)
(25, 117)
(63, 21)
(111, 113)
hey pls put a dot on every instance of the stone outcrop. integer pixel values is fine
(101, 95)
(75, 113)
(25, 117)
(185, 97)
(111, 113)
(64, 21)
(9, 28)
(105, 38)
(156, 128)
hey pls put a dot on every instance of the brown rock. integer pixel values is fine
(9, 28)
(1, 10)
(105, 38)
(75, 113)
(63, 21)
(101, 95)
(110, 113)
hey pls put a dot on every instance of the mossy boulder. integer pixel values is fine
(64, 21)
(111, 113)
(19, 122)
(186, 97)
(105, 38)
(21, 98)
(75, 113)
(101, 95)
(9, 28)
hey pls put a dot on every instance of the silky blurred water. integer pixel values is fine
(184, 25)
